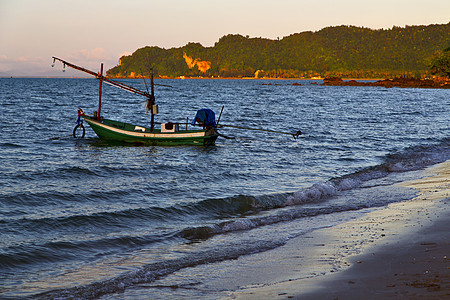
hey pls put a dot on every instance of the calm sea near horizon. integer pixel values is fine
(85, 218)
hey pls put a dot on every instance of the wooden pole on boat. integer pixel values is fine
(107, 80)
(218, 120)
(152, 101)
(295, 135)
(100, 77)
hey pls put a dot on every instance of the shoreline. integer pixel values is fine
(401, 250)
(400, 82)
(439, 83)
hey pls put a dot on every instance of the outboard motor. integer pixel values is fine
(206, 118)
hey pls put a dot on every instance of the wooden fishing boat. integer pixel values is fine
(169, 133)
(119, 131)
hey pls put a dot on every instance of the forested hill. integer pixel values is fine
(343, 51)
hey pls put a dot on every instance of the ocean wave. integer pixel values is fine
(248, 223)
(74, 172)
(12, 145)
(26, 198)
(238, 205)
(58, 251)
(34, 252)
(152, 272)
(409, 159)
(80, 220)
(99, 220)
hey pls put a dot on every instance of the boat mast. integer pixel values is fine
(100, 77)
(152, 101)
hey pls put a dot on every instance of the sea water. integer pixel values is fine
(85, 218)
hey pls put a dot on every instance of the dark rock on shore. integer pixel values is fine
(438, 83)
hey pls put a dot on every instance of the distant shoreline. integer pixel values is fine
(436, 83)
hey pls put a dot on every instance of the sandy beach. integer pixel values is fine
(397, 252)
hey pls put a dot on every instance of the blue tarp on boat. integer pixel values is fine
(205, 117)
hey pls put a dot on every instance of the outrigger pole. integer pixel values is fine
(294, 135)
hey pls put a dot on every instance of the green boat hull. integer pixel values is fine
(123, 132)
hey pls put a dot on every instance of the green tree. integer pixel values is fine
(440, 63)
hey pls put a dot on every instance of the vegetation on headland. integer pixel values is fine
(440, 63)
(342, 51)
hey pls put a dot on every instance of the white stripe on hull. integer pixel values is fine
(149, 134)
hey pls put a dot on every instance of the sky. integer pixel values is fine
(90, 32)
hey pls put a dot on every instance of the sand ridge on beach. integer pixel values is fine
(397, 252)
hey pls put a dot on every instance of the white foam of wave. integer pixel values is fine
(347, 184)
(414, 158)
(318, 191)
(242, 224)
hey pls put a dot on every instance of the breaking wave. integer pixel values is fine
(152, 272)
(410, 159)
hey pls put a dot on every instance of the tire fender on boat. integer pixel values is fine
(75, 131)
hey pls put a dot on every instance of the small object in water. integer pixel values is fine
(297, 134)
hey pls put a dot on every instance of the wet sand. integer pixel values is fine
(398, 252)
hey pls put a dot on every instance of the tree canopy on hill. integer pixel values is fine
(343, 51)
(440, 63)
